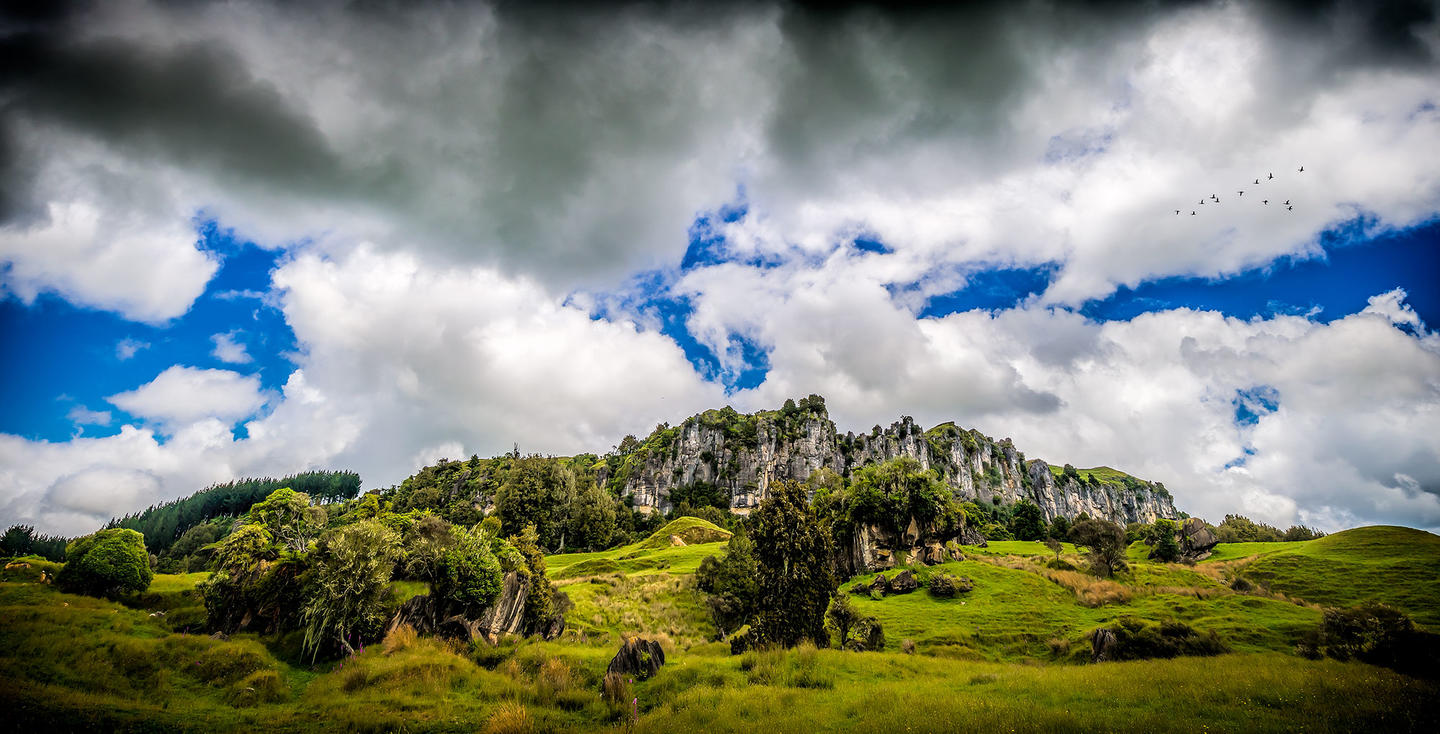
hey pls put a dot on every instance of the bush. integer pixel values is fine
(1104, 544)
(1375, 634)
(1135, 639)
(869, 635)
(108, 563)
(946, 586)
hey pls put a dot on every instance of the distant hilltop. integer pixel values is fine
(739, 455)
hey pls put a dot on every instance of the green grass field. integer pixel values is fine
(1010, 655)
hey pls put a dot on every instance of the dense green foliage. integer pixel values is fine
(1137, 639)
(22, 540)
(350, 568)
(730, 582)
(163, 524)
(793, 577)
(467, 571)
(107, 563)
(1376, 634)
(1167, 547)
(1028, 521)
(1241, 529)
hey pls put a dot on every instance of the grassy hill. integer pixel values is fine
(1393, 565)
(1010, 655)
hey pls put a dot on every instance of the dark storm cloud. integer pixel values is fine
(193, 106)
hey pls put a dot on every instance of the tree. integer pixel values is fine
(730, 584)
(592, 520)
(1104, 544)
(1167, 546)
(1027, 521)
(287, 514)
(1060, 527)
(537, 491)
(18, 540)
(349, 587)
(793, 580)
(1054, 546)
(468, 571)
(108, 563)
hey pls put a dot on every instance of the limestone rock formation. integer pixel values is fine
(740, 456)
(639, 657)
(504, 616)
(1196, 540)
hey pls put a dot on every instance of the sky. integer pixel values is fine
(256, 238)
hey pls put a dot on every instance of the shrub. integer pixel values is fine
(108, 563)
(946, 586)
(348, 591)
(907, 646)
(1375, 634)
(615, 692)
(263, 686)
(840, 617)
(869, 635)
(1242, 585)
(1136, 639)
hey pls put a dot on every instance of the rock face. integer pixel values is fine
(504, 616)
(639, 657)
(872, 548)
(740, 456)
(1196, 540)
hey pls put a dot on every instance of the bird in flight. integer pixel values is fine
(1214, 197)
(1264, 201)
(1242, 193)
(1202, 202)
(1177, 212)
(1257, 180)
(1192, 213)
(1302, 169)
(1287, 202)
(1289, 208)
(1272, 176)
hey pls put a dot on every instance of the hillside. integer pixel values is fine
(1011, 654)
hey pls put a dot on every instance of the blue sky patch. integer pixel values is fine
(75, 357)
(1333, 286)
(1255, 402)
(991, 290)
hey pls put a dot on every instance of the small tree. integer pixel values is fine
(1027, 521)
(468, 572)
(351, 567)
(1104, 544)
(730, 583)
(1167, 547)
(1060, 527)
(794, 581)
(108, 563)
(1054, 546)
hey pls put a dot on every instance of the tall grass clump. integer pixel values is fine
(510, 718)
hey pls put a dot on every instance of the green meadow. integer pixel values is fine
(1012, 654)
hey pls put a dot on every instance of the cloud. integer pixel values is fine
(128, 347)
(83, 416)
(184, 395)
(575, 147)
(227, 349)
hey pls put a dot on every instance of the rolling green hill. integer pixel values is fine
(1011, 654)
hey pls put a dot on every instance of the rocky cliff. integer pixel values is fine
(728, 454)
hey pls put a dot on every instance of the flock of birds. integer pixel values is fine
(1241, 193)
